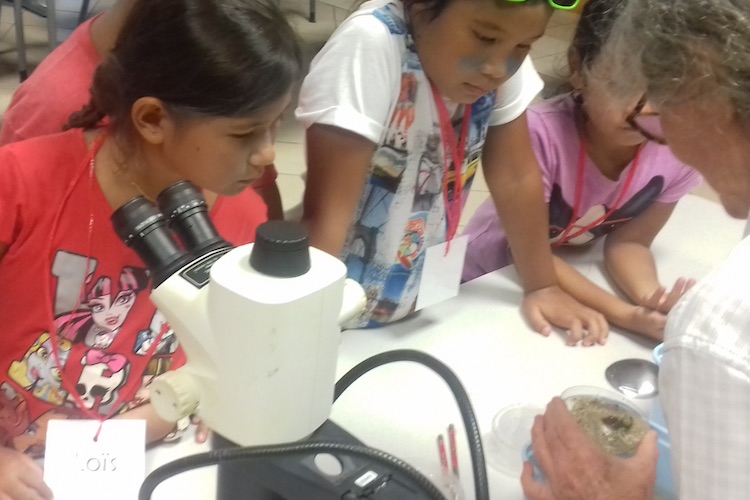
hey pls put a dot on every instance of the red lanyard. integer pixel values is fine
(454, 153)
(66, 382)
(565, 237)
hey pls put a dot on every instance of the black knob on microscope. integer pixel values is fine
(282, 249)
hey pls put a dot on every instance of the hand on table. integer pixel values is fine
(202, 432)
(21, 478)
(645, 321)
(663, 300)
(552, 306)
(576, 468)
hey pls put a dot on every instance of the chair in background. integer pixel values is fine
(45, 9)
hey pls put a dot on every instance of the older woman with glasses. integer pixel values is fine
(606, 175)
(693, 59)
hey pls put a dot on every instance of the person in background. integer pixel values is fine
(603, 177)
(59, 86)
(75, 305)
(692, 57)
(429, 88)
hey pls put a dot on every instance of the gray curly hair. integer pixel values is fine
(683, 49)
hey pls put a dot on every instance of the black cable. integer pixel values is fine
(481, 486)
(261, 452)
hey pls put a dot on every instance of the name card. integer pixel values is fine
(77, 467)
(441, 273)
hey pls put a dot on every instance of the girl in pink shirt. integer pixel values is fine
(604, 175)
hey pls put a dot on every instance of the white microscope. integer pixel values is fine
(260, 327)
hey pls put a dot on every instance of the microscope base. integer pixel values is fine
(298, 477)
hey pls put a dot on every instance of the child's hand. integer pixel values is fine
(202, 432)
(553, 305)
(21, 478)
(663, 301)
(645, 321)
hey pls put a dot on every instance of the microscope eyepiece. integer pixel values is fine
(142, 227)
(187, 213)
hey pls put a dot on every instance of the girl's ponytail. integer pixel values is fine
(107, 98)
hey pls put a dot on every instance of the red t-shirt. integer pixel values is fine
(59, 87)
(55, 219)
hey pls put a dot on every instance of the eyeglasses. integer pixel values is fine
(557, 4)
(648, 123)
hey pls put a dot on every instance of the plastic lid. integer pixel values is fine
(511, 433)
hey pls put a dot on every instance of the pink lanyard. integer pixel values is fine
(455, 152)
(565, 237)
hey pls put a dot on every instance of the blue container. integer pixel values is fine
(664, 480)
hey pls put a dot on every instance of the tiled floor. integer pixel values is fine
(548, 54)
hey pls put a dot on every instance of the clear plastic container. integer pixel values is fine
(576, 393)
(511, 431)
(611, 419)
(665, 489)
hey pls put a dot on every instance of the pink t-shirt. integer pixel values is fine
(658, 178)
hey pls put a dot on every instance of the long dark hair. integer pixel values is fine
(594, 27)
(224, 58)
(592, 31)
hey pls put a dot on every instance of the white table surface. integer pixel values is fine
(401, 408)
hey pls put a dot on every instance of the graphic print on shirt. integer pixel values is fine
(561, 213)
(403, 115)
(392, 18)
(429, 181)
(162, 356)
(107, 310)
(402, 209)
(387, 168)
(102, 376)
(16, 429)
(32, 441)
(408, 256)
(101, 357)
(38, 371)
(146, 337)
(14, 420)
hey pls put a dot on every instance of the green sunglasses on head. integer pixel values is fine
(557, 4)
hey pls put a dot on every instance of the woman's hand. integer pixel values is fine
(552, 306)
(576, 468)
(663, 300)
(21, 478)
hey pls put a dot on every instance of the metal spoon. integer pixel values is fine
(636, 378)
